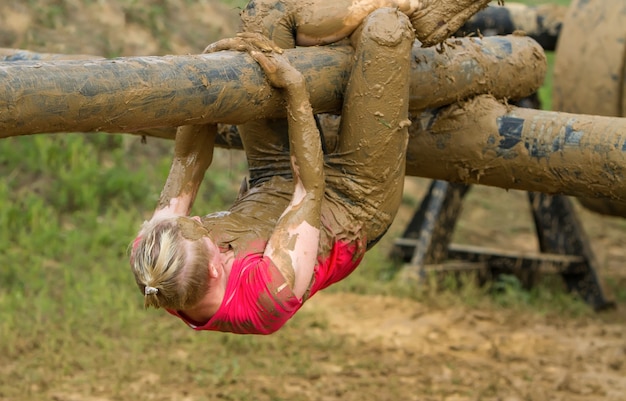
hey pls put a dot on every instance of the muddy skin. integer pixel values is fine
(294, 242)
(193, 154)
(441, 18)
(191, 229)
(299, 205)
(364, 178)
(130, 94)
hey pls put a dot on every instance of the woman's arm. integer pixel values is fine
(294, 243)
(193, 153)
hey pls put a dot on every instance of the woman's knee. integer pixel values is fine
(387, 27)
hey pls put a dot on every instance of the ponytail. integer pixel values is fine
(170, 269)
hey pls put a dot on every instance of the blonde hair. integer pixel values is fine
(170, 269)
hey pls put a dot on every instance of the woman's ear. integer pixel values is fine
(212, 271)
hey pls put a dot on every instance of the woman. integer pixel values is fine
(308, 217)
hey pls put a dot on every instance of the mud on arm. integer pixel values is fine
(294, 243)
(193, 153)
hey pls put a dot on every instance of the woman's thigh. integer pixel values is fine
(369, 164)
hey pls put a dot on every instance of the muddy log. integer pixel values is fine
(541, 22)
(483, 141)
(130, 94)
(479, 141)
(589, 70)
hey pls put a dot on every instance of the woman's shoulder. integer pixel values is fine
(257, 300)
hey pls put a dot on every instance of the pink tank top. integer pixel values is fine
(259, 301)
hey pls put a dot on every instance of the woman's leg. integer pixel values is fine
(266, 142)
(370, 159)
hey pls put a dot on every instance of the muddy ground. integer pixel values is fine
(388, 348)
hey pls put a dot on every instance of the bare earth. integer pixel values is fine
(463, 354)
(387, 348)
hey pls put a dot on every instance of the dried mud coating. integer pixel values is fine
(482, 141)
(364, 178)
(323, 22)
(589, 66)
(589, 72)
(193, 154)
(190, 229)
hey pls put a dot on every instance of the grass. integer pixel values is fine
(69, 206)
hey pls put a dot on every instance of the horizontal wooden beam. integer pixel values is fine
(131, 94)
(483, 141)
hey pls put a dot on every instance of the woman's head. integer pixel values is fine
(170, 261)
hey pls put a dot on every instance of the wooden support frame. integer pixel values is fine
(425, 245)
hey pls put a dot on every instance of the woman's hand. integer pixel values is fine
(244, 42)
(278, 70)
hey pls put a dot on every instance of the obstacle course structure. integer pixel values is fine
(478, 141)
(462, 131)
(564, 248)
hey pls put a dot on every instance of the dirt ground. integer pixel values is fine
(391, 348)
(356, 347)
(459, 353)
(462, 354)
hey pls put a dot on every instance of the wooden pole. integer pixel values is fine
(483, 141)
(131, 94)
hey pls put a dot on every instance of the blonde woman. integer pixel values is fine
(308, 217)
